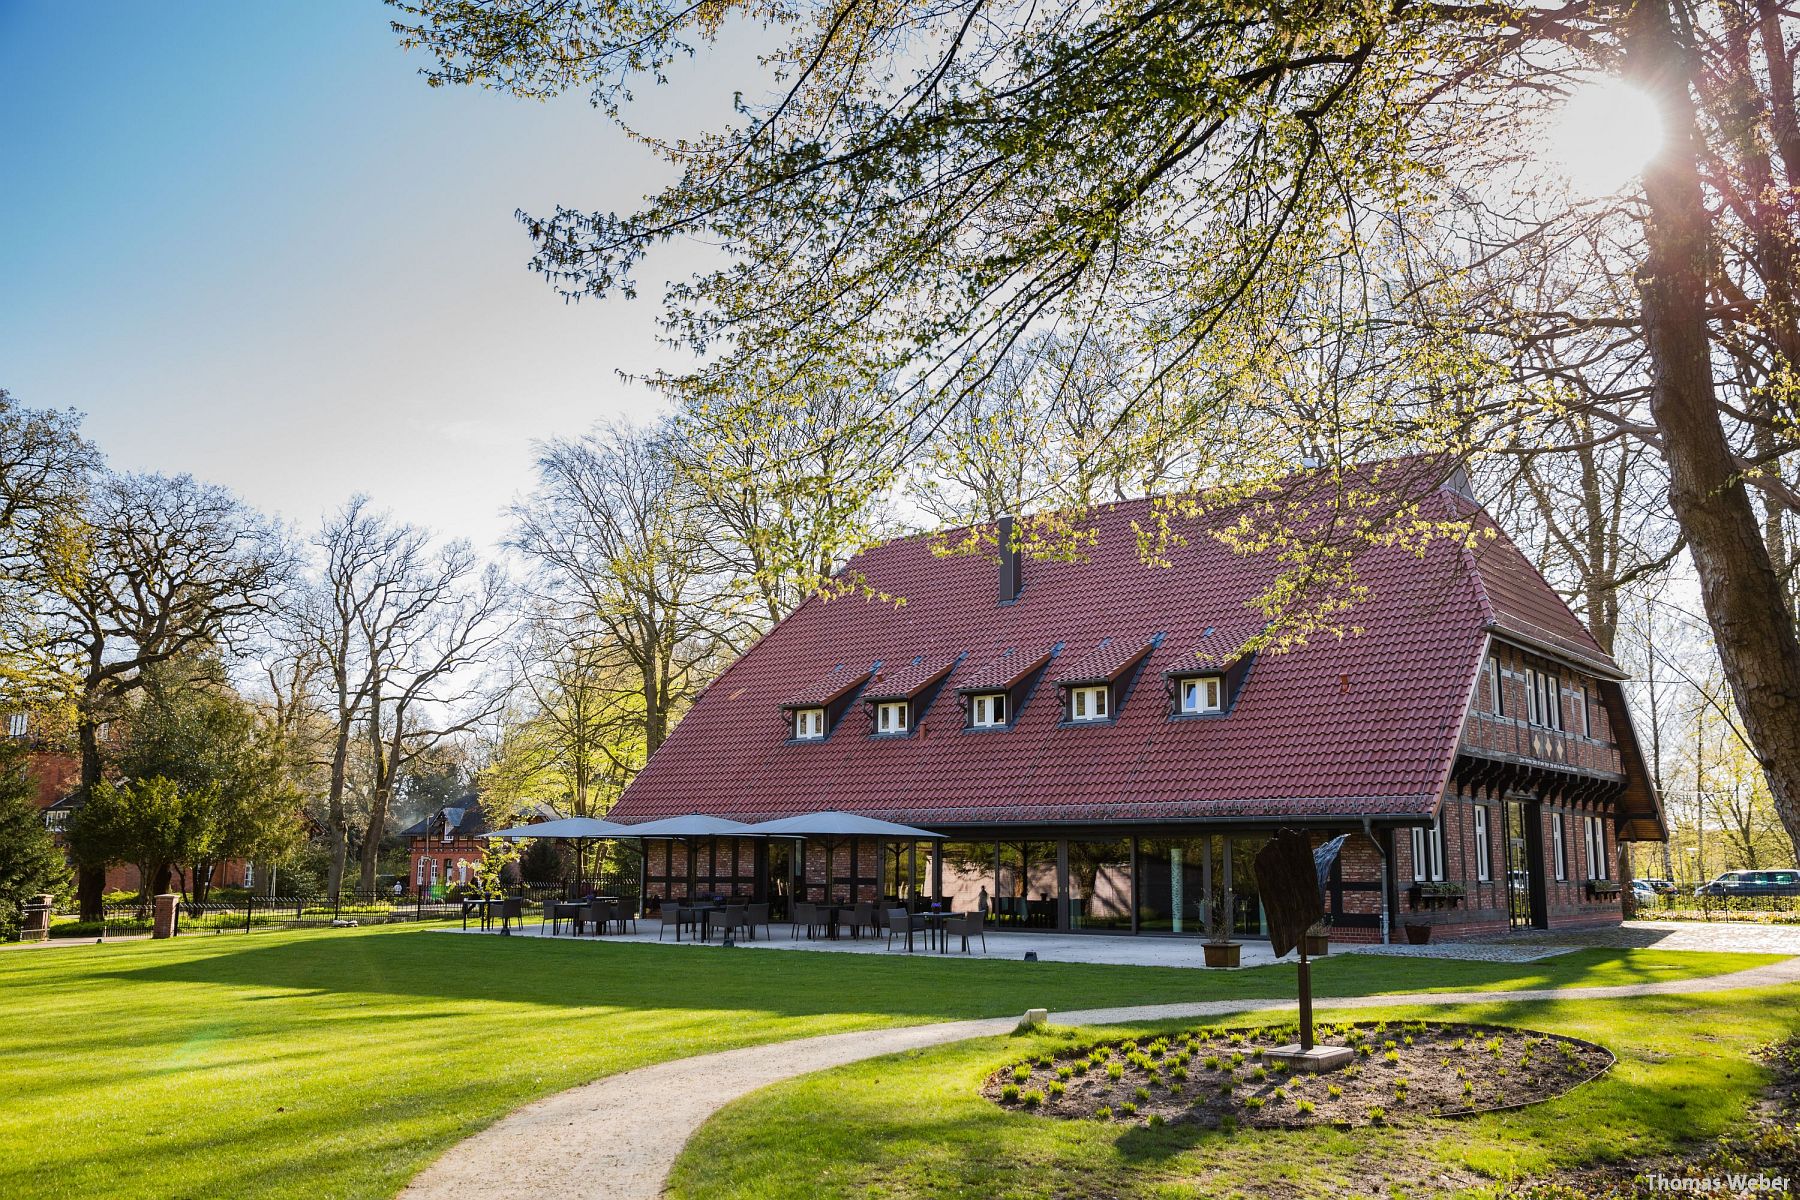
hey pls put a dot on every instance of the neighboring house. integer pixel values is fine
(1100, 766)
(446, 847)
(58, 776)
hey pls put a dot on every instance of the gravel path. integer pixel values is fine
(618, 1137)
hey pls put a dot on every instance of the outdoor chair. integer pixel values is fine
(673, 917)
(806, 916)
(511, 909)
(900, 922)
(625, 913)
(966, 926)
(757, 914)
(734, 918)
(594, 914)
(862, 916)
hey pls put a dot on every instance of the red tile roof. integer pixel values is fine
(1220, 645)
(826, 688)
(1004, 672)
(908, 681)
(1105, 662)
(1364, 724)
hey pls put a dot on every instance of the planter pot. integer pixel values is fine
(1222, 954)
(1318, 945)
(1418, 935)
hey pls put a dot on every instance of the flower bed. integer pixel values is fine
(1403, 1070)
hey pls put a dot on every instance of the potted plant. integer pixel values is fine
(1318, 938)
(1220, 950)
(1417, 933)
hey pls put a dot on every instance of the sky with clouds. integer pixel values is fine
(250, 244)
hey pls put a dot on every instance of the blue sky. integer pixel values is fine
(249, 243)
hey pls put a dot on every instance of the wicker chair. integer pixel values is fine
(758, 914)
(900, 923)
(674, 916)
(966, 926)
(511, 909)
(806, 916)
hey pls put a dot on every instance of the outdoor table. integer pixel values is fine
(488, 910)
(571, 911)
(935, 920)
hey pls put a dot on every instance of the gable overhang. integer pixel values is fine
(1605, 668)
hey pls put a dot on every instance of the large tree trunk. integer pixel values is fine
(90, 881)
(1745, 602)
(338, 823)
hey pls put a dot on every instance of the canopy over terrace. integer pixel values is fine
(580, 830)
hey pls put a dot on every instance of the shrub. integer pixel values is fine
(1156, 1119)
(1127, 1109)
(1377, 1115)
(1009, 1093)
(1033, 1098)
(1044, 1060)
(1022, 1072)
(1079, 1066)
(1260, 1074)
(1253, 1102)
(1334, 1091)
(1056, 1087)
(1103, 1112)
(1178, 1073)
(1064, 1072)
(1141, 1093)
(1211, 1062)
(1391, 1057)
(1115, 1071)
(1303, 1106)
(1278, 1096)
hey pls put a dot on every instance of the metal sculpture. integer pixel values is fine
(1290, 877)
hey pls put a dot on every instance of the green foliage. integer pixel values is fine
(30, 862)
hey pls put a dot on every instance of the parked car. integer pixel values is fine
(1662, 887)
(1642, 892)
(1785, 882)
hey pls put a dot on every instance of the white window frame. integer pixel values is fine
(1534, 699)
(1428, 852)
(1553, 712)
(890, 717)
(809, 724)
(1587, 712)
(1202, 694)
(1090, 703)
(988, 710)
(1496, 693)
(1559, 852)
(1484, 867)
(1587, 845)
(449, 831)
(18, 725)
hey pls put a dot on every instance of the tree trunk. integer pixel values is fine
(1745, 602)
(90, 881)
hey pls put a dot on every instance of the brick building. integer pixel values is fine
(1100, 757)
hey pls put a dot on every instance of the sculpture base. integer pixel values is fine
(1316, 1061)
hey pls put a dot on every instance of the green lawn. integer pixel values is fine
(913, 1125)
(338, 1063)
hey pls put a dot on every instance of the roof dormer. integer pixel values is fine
(1094, 686)
(811, 713)
(1206, 683)
(993, 697)
(898, 701)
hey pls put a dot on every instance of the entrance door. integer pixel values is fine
(781, 878)
(1524, 851)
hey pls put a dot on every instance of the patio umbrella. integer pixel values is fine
(580, 830)
(834, 828)
(842, 825)
(691, 826)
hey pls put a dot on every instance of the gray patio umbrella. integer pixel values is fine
(842, 825)
(834, 828)
(580, 830)
(691, 826)
(564, 829)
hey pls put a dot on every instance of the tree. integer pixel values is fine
(619, 550)
(31, 864)
(150, 567)
(390, 621)
(930, 184)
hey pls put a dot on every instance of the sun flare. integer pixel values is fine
(1602, 137)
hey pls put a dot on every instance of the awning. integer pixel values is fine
(840, 824)
(565, 829)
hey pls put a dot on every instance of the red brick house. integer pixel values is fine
(446, 847)
(1099, 762)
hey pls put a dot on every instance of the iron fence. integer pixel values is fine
(223, 913)
(1773, 910)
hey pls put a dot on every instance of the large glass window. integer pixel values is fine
(1025, 888)
(1246, 896)
(906, 872)
(1100, 885)
(968, 876)
(1171, 882)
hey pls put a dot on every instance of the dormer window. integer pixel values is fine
(890, 716)
(809, 724)
(987, 710)
(1089, 703)
(1203, 694)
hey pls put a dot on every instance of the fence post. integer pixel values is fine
(337, 908)
(249, 903)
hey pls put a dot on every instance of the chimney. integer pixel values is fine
(1009, 561)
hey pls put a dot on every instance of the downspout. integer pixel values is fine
(1369, 832)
